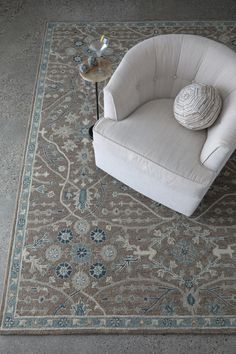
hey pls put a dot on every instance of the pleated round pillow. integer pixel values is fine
(197, 106)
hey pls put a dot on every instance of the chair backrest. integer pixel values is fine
(163, 65)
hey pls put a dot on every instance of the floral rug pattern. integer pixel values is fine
(90, 254)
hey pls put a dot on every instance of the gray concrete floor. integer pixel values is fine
(21, 32)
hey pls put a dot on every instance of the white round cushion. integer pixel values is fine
(197, 106)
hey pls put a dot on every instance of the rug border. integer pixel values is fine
(22, 166)
(89, 331)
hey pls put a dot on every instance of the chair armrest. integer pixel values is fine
(217, 159)
(132, 82)
(121, 96)
(221, 137)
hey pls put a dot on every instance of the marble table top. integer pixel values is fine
(100, 72)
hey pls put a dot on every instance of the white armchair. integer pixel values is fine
(139, 141)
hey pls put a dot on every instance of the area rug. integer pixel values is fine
(89, 254)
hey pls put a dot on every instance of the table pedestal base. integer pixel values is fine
(91, 132)
(97, 107)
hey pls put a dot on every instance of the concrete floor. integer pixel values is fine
(21, 32)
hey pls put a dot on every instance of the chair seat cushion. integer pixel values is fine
(152, 135)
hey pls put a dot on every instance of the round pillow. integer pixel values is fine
(197, 106)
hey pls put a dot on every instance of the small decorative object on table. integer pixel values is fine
(92, 61)
(96, 69)
(84, 68)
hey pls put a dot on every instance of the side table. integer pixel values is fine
(98, 73)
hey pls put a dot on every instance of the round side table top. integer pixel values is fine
(100, 72)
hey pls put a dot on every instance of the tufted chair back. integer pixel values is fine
(161, 66)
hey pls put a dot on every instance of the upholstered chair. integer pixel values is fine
(139, 141)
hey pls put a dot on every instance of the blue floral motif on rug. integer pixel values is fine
(88, 253)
